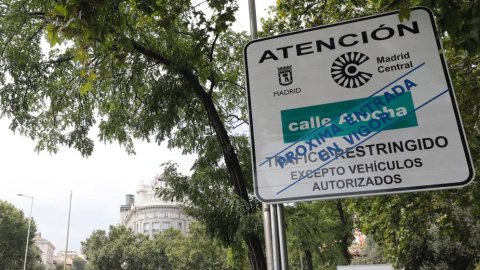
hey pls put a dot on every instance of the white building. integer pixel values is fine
(145, 213)
(59, 258)
(46, 247)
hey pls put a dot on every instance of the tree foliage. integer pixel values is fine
(13, 240)
(212, 204)
(457, 19)
(120, 247)
(172, 71)
(288, 16)
(79, 263)
(318, 236)
(149, 70)
(371, 253)
(195, 250)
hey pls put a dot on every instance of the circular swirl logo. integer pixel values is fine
(345, 70)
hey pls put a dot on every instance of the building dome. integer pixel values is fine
(148, 214)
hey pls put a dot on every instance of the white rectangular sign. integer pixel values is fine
(355, 108)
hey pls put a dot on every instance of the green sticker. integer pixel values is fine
(298, 122)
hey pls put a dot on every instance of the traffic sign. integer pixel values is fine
(356, 108)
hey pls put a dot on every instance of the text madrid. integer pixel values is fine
(361, 130)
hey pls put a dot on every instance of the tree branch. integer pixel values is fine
(309, 7)
(34, 34)
(212, 48)
(139, 48)
(59, 61)
(37, 13)
(212, 84)
(234, 83)
(212, 77)
(183, 33)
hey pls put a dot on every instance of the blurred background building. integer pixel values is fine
(59, 258)
(145, 213)
(47, 249)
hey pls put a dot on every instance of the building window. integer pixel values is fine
(166, 225)
(155, 227)
(155, 214)
(165, 214)
(180, 226)
(146, 227)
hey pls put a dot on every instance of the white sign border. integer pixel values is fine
(471, 174)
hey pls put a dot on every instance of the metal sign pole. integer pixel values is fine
(282, 238)
(273, 219)
(274, 233)
(267, 224)
(267, 229)
(253, 19)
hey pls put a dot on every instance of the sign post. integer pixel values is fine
(357, 108)
(273, 219)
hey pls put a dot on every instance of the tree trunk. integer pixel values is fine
(346, 232)
(253, 242)
(308, 256)
(255, 251)
(231, 159)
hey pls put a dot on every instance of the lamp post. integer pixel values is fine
(68, 233)
(28, 233)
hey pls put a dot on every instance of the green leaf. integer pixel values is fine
(85, 88)
(52, 35)
(79, 56)
(92, 77)
(104, 73)
(60, 10)
(404, 14)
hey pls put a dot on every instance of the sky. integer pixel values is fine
(98, 183)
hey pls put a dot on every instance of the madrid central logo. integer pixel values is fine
(345, 70)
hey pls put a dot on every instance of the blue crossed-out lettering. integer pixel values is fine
(349, 109)
(366, 139)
